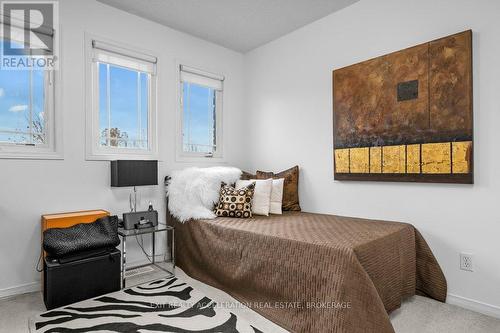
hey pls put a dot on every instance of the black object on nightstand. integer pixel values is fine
(78, 278)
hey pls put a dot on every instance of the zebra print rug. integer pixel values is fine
(167, 305)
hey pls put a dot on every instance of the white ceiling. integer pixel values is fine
(241, 25)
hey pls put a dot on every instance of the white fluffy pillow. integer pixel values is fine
(277, 196)
(262, 194)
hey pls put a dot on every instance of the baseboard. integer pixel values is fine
(470, 304)
(21, 289)
(36, 286)
(132, 264)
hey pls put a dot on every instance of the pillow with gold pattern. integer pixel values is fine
(235, 202)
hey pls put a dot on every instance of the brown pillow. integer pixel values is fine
(235, 202)
(290, 187)
(247, 176)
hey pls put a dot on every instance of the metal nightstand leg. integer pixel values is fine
(154, 246)
(124, 260)
(173, 251)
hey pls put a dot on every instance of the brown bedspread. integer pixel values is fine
(312, 272)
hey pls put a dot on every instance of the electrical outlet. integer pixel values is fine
(466, 262)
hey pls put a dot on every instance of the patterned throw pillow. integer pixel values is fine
(235, 203)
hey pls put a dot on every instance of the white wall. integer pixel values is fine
(29, 188)
(289, 106)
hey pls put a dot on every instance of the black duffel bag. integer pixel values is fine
(101, 234)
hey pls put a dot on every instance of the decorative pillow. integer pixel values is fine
(262, 195)
(276, 196)
(235, 203)
(290, 187)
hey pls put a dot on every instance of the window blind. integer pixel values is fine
(202, 78)
(115, 55)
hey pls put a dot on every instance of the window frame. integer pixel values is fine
(52, 148)
(94, 151)
(181, 155)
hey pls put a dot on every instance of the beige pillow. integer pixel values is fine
(262, 194)
(290, 189)
(276, 196)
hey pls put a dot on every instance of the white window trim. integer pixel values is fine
(93, 151)
(189, 157)
(53, 149)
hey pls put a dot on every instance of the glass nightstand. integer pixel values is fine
(126, 233)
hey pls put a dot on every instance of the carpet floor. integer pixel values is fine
(165, 305)
(417, 314)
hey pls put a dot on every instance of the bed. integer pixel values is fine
(312, 272)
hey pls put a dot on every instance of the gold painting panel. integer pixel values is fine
(342, 160)
(393, 159)
(436, 158)
(376, 160)
(359, 160)
(462, 157)
(413, 159)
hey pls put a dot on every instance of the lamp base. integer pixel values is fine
(133, 201)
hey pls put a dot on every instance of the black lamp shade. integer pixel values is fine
(134, 173)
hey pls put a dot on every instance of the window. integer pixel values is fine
(23, 112)
(123, 115)
(27, 115)
(123, 107)
(201, 113)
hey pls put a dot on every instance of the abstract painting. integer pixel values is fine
(406, 116)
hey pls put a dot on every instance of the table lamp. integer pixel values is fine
(125, 173)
